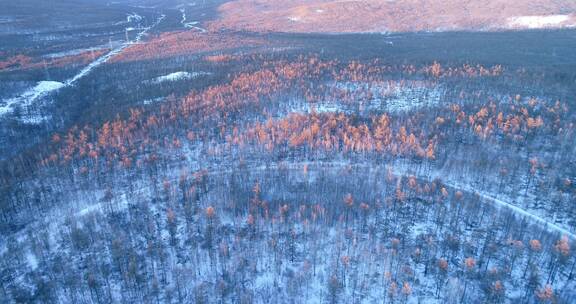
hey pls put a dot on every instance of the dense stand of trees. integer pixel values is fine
(242, 235)
(515, 132)
(229, 194)
(23, 62)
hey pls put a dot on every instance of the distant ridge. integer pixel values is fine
(335, 16)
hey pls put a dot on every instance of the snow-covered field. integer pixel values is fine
(541, 22)
(28, 98)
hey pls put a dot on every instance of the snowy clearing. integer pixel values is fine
(28, 97)
(176, 76)
(133, 17)
(539, 22)
(386, 97)
(114, 52)
(74, 52)
(396, 98)
(43, 88)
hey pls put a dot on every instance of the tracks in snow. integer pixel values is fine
(534, 218)
(122, 202)
(191, 24)
(485, 197)
(29, 97)
(86, 70)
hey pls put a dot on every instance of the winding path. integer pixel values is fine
(489, 198)
(484, 196)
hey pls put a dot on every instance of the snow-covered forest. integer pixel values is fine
(183, 164)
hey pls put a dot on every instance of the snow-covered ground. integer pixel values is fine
(74, 52)
(27, 98)
(400, 170)
(32, 260)
(154, 100)
(386, 97)
(410, 98)
(44, 88)
(131, 17)
(490, 199)
(190, 24)
(85, 71)
(176, 76)
(397, 98)
(266, 276)
(540, 22)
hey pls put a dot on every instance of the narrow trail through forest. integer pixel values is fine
(55, 220)
(484, 196)
(46, 87)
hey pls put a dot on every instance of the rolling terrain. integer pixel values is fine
(384, 16)
(287, 152)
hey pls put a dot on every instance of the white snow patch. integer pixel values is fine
(294, 19)
(176, 76)
(32, 260)
(28, 97)
(191, 24)
(387, 97)
(119, 203)
(42, 88)
(34, 118)
(325, 108)
(151, 101)
(395, 97)
(319, 11)
(133, 17)
(45, 87)
(73, 52)
(538, 22)
(90, 209)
